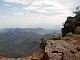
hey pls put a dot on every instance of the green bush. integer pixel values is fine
(77, 30)
(54, 37)
(42, 44)
(69, 34)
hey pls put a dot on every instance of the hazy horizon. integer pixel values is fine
(46, 28)
(35, 13)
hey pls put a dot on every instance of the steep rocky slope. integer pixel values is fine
(56, 50)
(72, 23)
(62, 50)
(67, 48)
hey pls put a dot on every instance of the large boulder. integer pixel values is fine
(60, 50)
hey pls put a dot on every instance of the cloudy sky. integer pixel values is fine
(35, 13)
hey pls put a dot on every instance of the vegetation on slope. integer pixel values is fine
(20, 42)
(72, 24)
(14, 44)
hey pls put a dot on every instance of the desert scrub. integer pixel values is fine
(69, 34)
(55, 37)
(42, 44)
(77, 30)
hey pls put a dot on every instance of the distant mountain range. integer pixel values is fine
(35, 30)
(18, 42)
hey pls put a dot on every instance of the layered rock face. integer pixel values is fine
(61, 50)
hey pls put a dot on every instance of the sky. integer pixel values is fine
(35, 13)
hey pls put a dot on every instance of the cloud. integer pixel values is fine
(1, 16)
(7, 4)
(47, 8)
(25, 1)
(14, 8)
(35, 8)
(3, 12)
(30, 22)
(18, 13)
(37, 12)
(16, 1)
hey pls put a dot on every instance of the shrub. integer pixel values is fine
(77, 30)
(42, 44)
(54, 37)
(69, 34)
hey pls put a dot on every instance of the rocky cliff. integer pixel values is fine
(70, 25)
(62, 50)
(54, 50)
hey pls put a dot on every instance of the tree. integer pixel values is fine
(77, 11)
(42, 44)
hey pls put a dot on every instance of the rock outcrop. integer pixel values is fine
(54, 50)
(69, 26)
(61, 50)
(38, 55)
